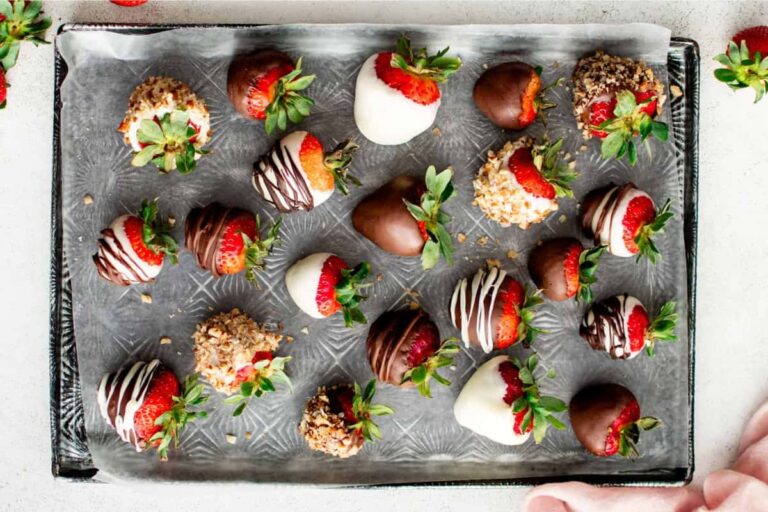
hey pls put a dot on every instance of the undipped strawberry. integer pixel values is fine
(746, 62)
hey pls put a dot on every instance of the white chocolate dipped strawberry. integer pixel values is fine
(322, 284)
(397, 96)
(297, 175)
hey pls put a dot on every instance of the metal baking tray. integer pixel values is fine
(72, 456)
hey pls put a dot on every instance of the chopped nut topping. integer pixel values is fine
(231, 438)
(461, 238)
(171, 221)
(146, 298)
(493, 263)
(482, 241)
(87, 199)
(305, 330)
(437, 132)
(326, 431)
(675, 90)
(512, 254)
(165, 340)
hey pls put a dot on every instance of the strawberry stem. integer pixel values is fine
(546, 158)
(351, 282)
(742, 70)
(266, 373)
(338, 161)
(184, 411)
(630, 121)
(539, 410)
(364, 411)
(288, 104)
(662, 327)
(526, 331)
(257, 251)
(21, 23)
(629, 435)
(421, 375)
(644, 237)
(436, 67)
(169, 143)
(156, 232)
(588, 262)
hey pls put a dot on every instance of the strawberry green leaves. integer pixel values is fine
(262, 379)
(438, 67)
(743, 70)
(629, 435)
(630, 120)
(588, 261)
(256, 251)
(364, 411)
(185, 410)
(288, 104)
(422, 374)
(20, 22)
(546, 158)
(347, 293)
(526, 331)
(538, 411)
(169, 143)
(644, 237)
(429, 215)
(338, 161)
(662, 327)
(156, 232)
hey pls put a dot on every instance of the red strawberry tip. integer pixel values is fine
(185, 410)
(421, 374)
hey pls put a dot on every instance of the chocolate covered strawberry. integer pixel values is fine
(132, 249)
(397, 93)
(405, 217)
(339, 419)
(321, 284)
(493, 311)
(562, 268)
(404, 349)
(502, 402)
(228, 240)
(267, 85)
(511, 95)
(296, 174)
(746, 61)
(520, 183)
(619, 100)
(20, 21)
(144, 403)
(606, 420)
(621, 326)
(624, 219)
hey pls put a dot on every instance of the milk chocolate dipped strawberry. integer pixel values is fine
(624, 219)
(339, 419)
(266, 85)
(228, 240)
(321, 284)
(132, 249)
(511, 95)
(562, 268)
(166, 124)
(297, 175)
(746, 61)
(144, 403)
(502, 402)
(493, 311)
(404, 217)
(404, 349)
(620, 325)
(606, 420)
(520, 183)
(397, 93)
(619, 100)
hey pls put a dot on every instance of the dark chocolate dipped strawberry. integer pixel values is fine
(493, 311)
(404, 349)
(562, 268)
(404, 217)
(606, 420)
(511, 95)
(321, 284)
(746, 61)
(502, 402)
(339, 419)
(620, 325)
(266, 85)
(619, 100)
(228, 240)
(297, 175)
(624, 219)
(132, 249)
(144, 403)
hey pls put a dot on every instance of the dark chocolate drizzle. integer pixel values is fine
(109, 248)
(604, 324)
(203, 232)
(287, 191)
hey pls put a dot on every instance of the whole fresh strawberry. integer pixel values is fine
(144, 403)
(20, 21)
(228, 240)
(397, 93)
(746, 62)
(132, 249)
(606, 420)
(339, 419)
(321, 284)
(296, 174)
(128, 3)
(624, 219)
(520, 183)
(266, 85)
(257, 378)
(404, 349)
(501, 384)
(493, 311)
(405, 217)
(562, 268)
(620, 325)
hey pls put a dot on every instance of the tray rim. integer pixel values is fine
(86, 471)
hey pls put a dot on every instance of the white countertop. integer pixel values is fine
(732, 342)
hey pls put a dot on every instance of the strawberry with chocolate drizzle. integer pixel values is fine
(258, 378)
(746, 61)
(606, 420)
(502, 401)
(321, 284)
(267, 85)
(228, 240)
(561, 268)
(405, 217)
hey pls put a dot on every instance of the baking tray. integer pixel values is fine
(71, 455)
